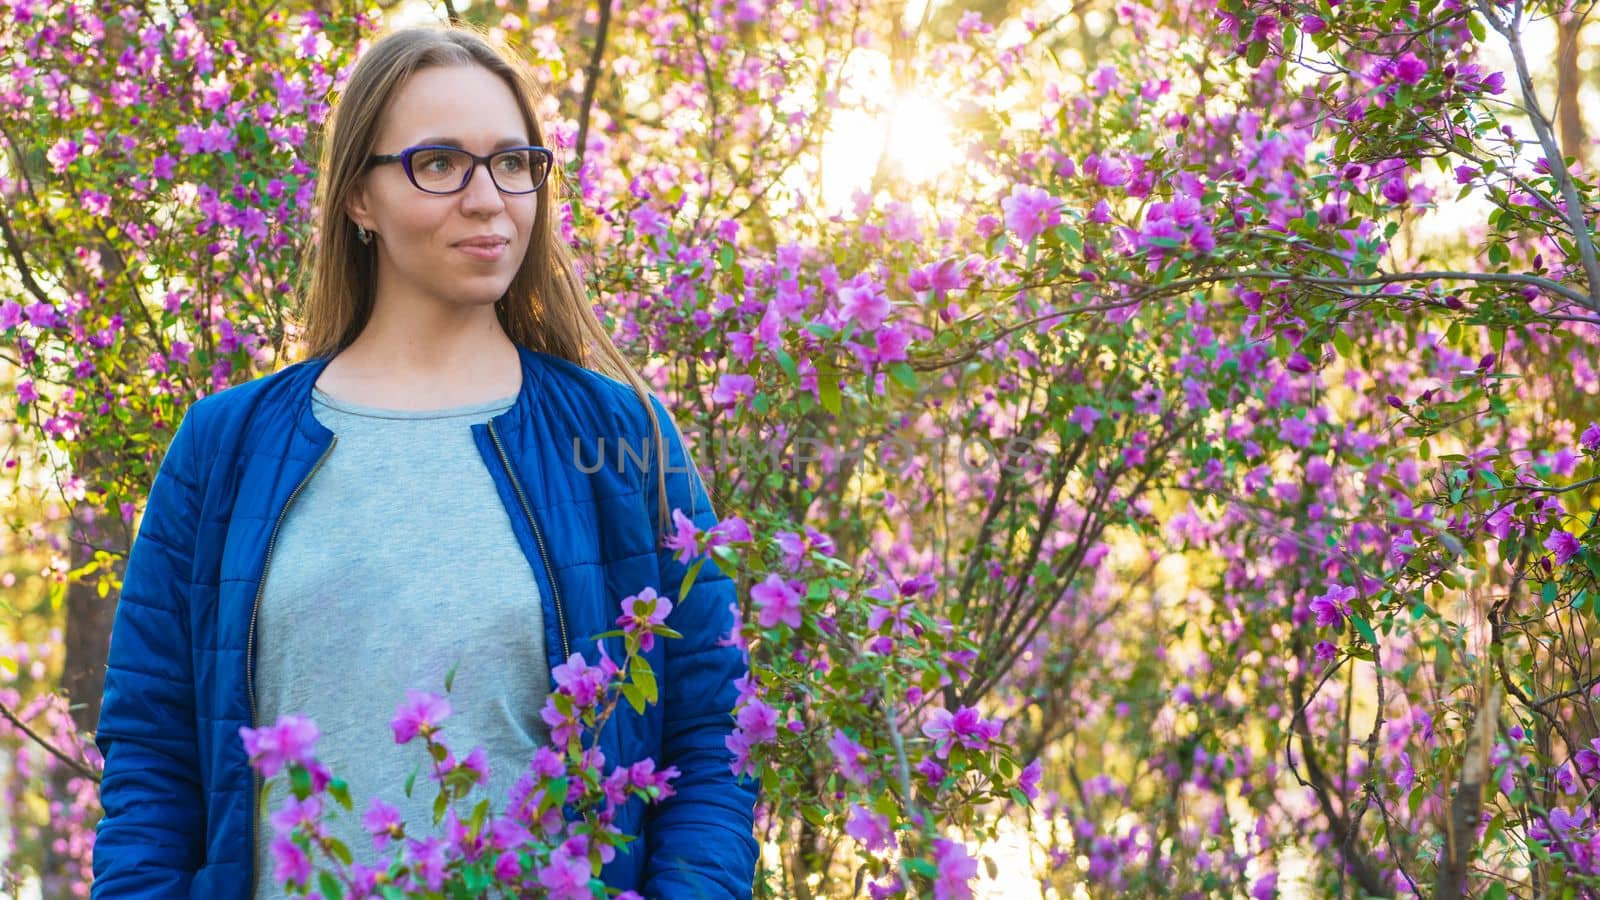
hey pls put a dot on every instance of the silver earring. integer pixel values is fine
(363, 235)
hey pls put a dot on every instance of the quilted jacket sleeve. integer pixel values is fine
(701, 841)
(151, 837)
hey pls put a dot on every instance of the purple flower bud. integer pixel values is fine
(1590, 439)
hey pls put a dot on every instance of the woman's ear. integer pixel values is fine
(355, 205)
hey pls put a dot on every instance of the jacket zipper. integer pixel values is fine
(561, 617)
(250, 652)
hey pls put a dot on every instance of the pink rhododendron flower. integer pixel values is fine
(1029, 211)
(419, 713)
(1564, 545)
(733, 388)
(964, 725)
(1333, 607)
(956, 870)
(863, 304)
(778, 600)
(1028, 781)
(566, 878)
(641, 612)
(293, 813)
(871, 829)
(427, 860)
(290, 864)
(382, 821)
(684, 538)
(851, 756)
(582, 682)
(290, 740)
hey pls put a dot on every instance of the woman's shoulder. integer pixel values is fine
(608, 401)
(250, 393)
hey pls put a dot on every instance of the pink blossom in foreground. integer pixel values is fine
(289, 862)
(956, 870)
(851, 756)
(292, 739)
(1564, 545)
(382, 821)
(684, 538)
(1029, 211)
(777, 600)
(566, 877)
(964, 725)
(1333, 607)
(642, 611)
(870, 828)
(420, 713)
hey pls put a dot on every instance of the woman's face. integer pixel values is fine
(416, 233)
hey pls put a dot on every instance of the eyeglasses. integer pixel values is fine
(445, 170)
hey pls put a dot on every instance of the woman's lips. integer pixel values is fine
(483, 252)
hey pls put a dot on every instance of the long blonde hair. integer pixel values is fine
(546, 307)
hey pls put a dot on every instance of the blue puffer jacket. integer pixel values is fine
(178, 790)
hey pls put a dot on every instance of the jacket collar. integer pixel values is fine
(510, 421)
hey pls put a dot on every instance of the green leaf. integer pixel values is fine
(475, 880)
(1256, 53)
(1475, 25)
(440, 803)
(340, 791)
(828, 391)
(300, 781)
(787, 363)
(630, 692)
(450, 677)
(330, 886)
(644, 678)
(688, 579)
(1343, 344)
(1364, 629)
(411, 779)
(904, 374)
(922, 867)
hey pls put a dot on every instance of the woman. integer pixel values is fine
(409, 498)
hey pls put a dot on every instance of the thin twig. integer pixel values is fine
(76, 766)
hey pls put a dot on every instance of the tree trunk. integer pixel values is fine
(1569, 79)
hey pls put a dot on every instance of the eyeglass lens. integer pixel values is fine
(446, 171)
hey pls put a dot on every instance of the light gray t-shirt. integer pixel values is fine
(394, 562)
